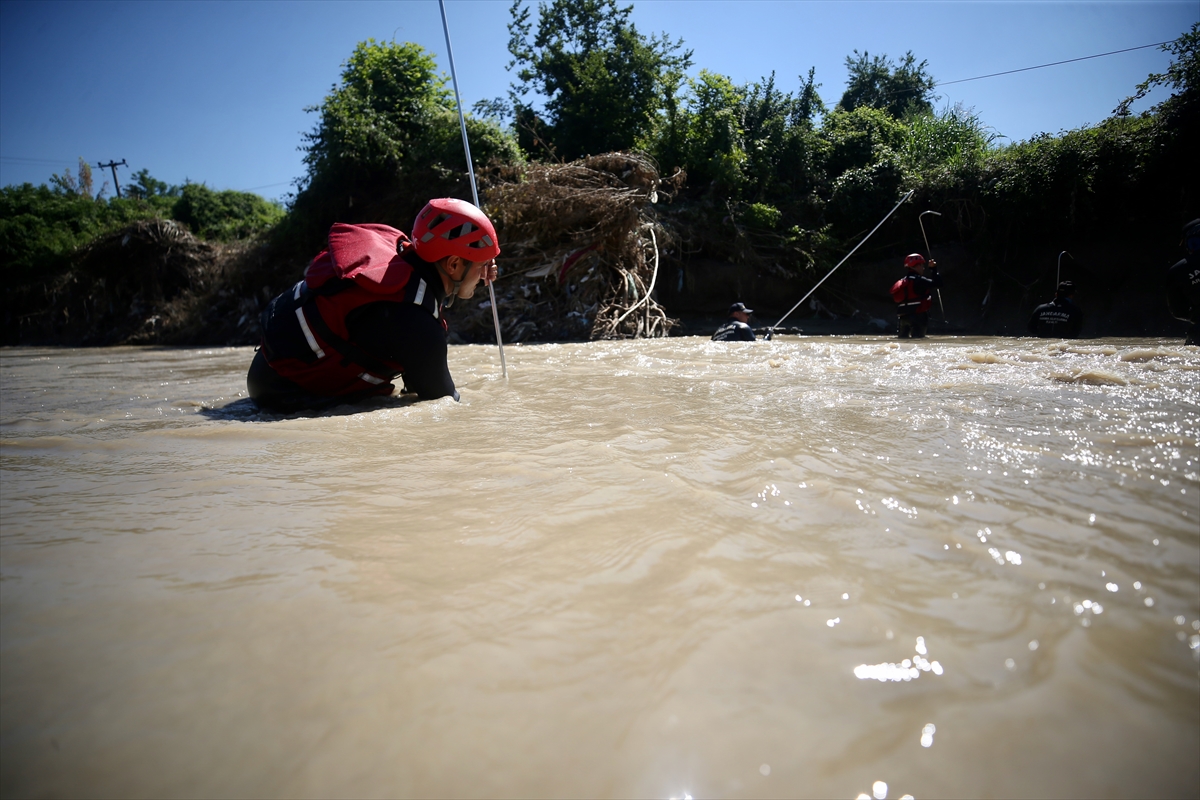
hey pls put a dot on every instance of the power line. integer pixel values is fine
(266, 186)
(1051, 64)
(68, 161)
(25, 160)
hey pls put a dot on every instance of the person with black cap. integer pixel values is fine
(1183, 283)
(737, 327)
(1058, 319)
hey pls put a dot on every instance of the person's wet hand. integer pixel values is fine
(489, 272)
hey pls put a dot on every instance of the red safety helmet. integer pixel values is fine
(914, 260)
(447, 226)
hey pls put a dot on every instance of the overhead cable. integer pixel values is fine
(913, 91)
(27, 160)
(1051, 64)
(265, 186)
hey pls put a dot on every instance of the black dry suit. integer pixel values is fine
(1183, 294)
(1058, 319)
(734, 331)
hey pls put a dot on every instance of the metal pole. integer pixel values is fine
(462, 121)
(921, 220)
(771, 330)
(113, 166)
(1058, 275)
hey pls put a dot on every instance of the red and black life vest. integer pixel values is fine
(910, 299)
(305, 337)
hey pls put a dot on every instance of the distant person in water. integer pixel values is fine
(1058, 319)
(913, 295)
(737, 327)
(1183, 283)
(370, 309)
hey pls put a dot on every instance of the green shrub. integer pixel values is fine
(862, 195)
(855, 138)
(952, 140)
(761, 215)
(386, 140)
(604, 83)
(224, 215)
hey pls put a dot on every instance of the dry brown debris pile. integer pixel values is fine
(580, 252)
(151, 282)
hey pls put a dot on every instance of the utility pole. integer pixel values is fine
(113, 166)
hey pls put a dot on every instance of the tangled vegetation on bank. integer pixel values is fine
(760, 180)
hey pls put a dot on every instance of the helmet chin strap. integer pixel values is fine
(453, 293)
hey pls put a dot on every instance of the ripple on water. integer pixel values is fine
(621, 533)
(1140, 355)
(1092, 377)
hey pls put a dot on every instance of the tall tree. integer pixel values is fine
(898, 89)
(808, 102)
(380, 113)
(387, 138)
(67, 184)
(144, 186)
(603, 81)
(745, 142)
(1182, 76)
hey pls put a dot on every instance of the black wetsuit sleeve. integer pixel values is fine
(408, 334)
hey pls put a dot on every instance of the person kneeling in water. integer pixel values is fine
(370, 309)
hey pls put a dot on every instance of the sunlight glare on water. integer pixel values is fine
(632, 569)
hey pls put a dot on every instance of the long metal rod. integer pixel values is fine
(921, 220)
(1058, 275)
(462, 121)
(843, 261)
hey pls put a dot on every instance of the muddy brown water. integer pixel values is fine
(814, 567)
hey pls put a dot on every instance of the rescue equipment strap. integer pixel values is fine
(349, 351)
(308, 334)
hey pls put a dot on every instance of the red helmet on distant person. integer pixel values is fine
(914, 260)
(447, 226)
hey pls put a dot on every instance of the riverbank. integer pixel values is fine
(155, 283)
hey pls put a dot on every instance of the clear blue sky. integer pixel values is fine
(214, 92)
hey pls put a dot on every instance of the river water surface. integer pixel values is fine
(807, 567)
